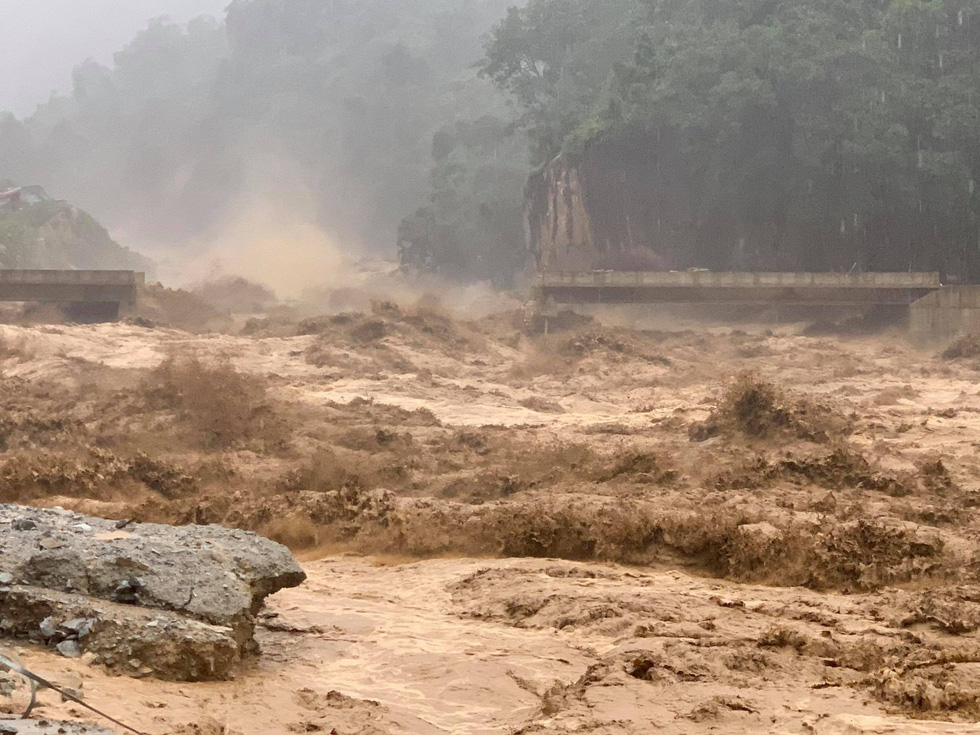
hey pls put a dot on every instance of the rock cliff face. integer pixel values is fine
(615, 206)
(558, 222)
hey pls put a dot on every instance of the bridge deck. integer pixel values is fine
(86, 296)
(625, 287)
(70, 287)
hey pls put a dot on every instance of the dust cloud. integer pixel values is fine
(269, 243)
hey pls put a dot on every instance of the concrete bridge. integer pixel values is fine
(935, 311)
(84, 295)
(704, 287)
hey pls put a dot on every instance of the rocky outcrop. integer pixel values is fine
(144, 599)
(610, 207)
(558, 223)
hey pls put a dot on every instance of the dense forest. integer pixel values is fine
(826, 134)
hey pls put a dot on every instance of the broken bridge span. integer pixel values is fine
(935, 310)
(706, 287)
(86, 295)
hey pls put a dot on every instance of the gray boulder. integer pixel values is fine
(172, 602)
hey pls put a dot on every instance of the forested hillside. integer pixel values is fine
(827, 134)
(335, 101)
(39, 232)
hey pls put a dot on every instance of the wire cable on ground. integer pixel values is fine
(36, 681)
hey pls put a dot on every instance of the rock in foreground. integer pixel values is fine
(147, 600)
(49, 727)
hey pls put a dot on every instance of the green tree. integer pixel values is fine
(472, 229)
(555, 58)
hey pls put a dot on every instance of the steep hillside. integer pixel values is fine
(39, 232)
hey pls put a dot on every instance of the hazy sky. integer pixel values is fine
(42, 40)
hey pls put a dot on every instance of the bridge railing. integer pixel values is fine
(709, 279)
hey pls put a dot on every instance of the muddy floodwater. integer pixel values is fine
(691, 528)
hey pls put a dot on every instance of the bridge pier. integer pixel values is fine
(92, 312)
